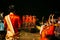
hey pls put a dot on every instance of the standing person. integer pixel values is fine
(51, 27)
(48, 31)
(2, 31)
(12, 23)
(26, 21)
(43, 34)
(34, 21)
(57, 30)
(33, 28)
(30, 19)
(30, 22)
(23, 18)
(23, 21)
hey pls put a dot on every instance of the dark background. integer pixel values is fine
(39, 8)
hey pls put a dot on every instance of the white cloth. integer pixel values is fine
(10, 30)
(41, 28)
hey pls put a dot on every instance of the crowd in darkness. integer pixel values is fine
(37, 13)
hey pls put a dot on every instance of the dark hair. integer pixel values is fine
(11, 8)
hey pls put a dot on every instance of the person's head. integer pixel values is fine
(11, 13)
(11, 8)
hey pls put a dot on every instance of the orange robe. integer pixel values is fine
(34, 19)
(30, 19)
(27, 19)
(43, 34)
(47, 31)
(15, 20)
(23, 18)
(50, 31)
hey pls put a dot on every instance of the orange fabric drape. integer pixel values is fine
(43, 34)
(34, 19)
(50, 31)
(30, 19)
(15, 20)
(27, 19)
(47, 31)
(23, 18)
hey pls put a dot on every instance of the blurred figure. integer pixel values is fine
(57, 29)
(42, 25)
(48, 30)
(30, 19)
(1, 16)
(41, 28)
(34, 21)
(58, 20)
(12, 23)
(33, 25)
(2, 30)
(30, 22)
(26, 21)
(23, 21)
(43, 34)
(23, 18)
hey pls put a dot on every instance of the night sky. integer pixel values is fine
(39, 8)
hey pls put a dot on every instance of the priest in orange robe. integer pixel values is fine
(12, 22)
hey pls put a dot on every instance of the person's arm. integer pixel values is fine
(49, 19)
(53, 18)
